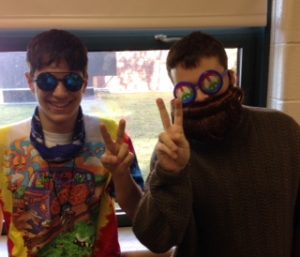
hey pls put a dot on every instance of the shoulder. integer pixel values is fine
(96, 120)
(92, 125)
(20, 124)
(273, 121)
(269, 115)
(14, 131)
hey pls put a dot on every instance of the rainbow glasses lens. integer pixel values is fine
(48, 82)
(210, 83)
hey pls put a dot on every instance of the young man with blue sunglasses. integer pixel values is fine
(225, 177)
(59, 168)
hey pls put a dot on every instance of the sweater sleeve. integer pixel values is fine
(296, 240)
(296, 243)
(165, 209)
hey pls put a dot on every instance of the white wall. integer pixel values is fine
(284, 69)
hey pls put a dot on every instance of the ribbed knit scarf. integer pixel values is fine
(59, 153)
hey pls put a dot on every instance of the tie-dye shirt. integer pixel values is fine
(62, 209)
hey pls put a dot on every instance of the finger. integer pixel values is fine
(123, 165)
(123, 151)
(109, 161)
(178, 113)
(164, 138)
(162, 148)
(127, 161)
(121, 131)
(109, 143)
(164, 115)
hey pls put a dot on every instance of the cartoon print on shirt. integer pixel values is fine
(77, 243)
(48, 199)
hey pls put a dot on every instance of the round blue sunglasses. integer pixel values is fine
(210, 82)
(48, 82)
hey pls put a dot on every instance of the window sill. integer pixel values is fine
(131, 247)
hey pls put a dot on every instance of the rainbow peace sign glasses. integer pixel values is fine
(210, 83)
(48, 82)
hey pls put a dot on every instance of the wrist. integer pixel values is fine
(116, 175)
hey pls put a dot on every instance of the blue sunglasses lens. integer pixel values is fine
(73, 82)
(48, 82)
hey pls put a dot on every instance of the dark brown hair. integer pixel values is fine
(54, 46)
(190, 49)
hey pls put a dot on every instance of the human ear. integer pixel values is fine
(30, 81)
(85, 83)
(232, 77)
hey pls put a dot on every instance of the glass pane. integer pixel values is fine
(122, 84)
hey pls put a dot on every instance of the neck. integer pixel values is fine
(54, 126)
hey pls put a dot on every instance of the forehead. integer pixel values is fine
(62, 66)
(181, 73)
(58, 69)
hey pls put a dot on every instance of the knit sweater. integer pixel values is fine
(240, 198)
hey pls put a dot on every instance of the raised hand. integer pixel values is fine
(117, 158)
(172, 148)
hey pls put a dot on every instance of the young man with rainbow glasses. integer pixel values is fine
(225, 177)
(58, 167)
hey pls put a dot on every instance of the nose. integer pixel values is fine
(201, 96)
(60, 90)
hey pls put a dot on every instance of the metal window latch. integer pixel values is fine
(165, 39)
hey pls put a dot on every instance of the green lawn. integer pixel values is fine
(13, 113)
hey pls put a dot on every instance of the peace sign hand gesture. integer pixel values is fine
(172, 148)
(117, 157)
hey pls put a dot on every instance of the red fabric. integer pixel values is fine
(107, 244)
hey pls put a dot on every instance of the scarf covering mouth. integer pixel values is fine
(212, 120)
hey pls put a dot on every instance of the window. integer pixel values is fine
(122, 84)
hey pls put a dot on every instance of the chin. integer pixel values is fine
(60, 118)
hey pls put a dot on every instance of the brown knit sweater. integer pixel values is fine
(238, 199)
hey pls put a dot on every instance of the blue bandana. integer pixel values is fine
(59, 153)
